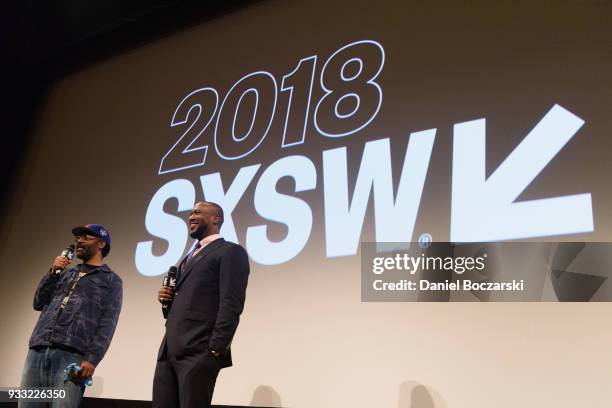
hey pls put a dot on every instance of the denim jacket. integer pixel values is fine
(87, 322)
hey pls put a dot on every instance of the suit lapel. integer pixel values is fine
(187, 267)
(180, 269)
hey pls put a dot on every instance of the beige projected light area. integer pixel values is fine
(305, 338)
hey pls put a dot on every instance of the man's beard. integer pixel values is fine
(198, 233)
(85, 254)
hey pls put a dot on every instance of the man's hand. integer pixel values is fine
(87, 369)
(61, 262)
(165, 295)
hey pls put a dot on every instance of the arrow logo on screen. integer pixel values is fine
(485, 209)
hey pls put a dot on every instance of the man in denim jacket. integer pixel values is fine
(80, 309)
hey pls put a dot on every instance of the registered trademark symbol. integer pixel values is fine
(425, 240)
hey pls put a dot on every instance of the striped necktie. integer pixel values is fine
(193, 251)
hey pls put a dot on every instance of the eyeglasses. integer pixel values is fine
(78, 238)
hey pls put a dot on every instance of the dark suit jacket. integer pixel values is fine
(208, 300)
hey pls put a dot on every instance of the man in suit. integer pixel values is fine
(204, 310)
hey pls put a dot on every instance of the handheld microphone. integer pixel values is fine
(68, 253)
(169, 281)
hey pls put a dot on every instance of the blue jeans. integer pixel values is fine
(45, 368)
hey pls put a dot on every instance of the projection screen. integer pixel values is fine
(318, 126)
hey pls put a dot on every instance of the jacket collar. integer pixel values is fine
(186, 268)
(102, 268)
(209, 239)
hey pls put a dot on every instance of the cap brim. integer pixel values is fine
(83, 231)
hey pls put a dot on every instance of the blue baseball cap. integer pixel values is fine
(96, 230)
